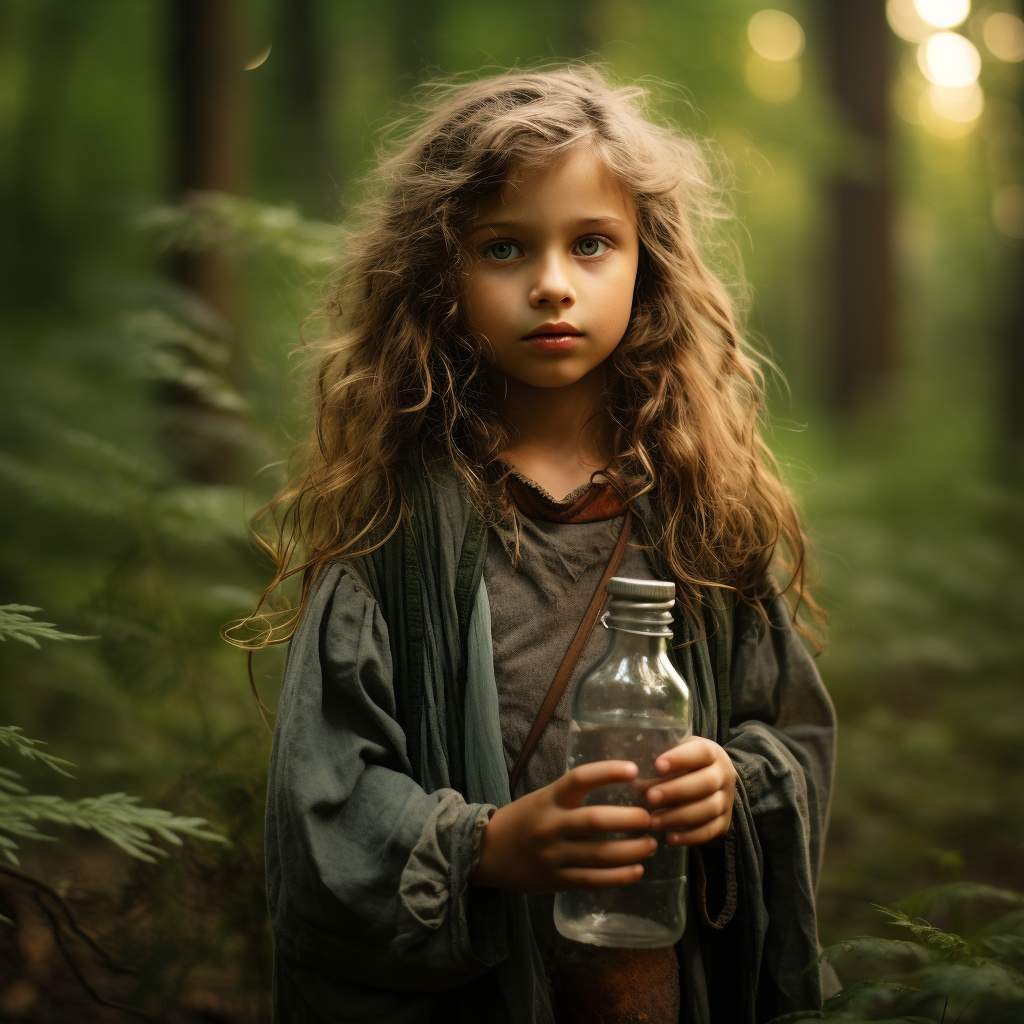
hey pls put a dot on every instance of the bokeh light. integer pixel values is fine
(949, 59)
(943, 13)
(905, 21)
(773, 80)
(775, 36)
(1008, 211)
(1004, 36)
(965, 104)
(951, 113)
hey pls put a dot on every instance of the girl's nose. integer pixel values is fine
(552, 287)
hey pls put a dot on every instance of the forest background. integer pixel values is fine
(171, 174)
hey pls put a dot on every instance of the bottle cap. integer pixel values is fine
(643, 590)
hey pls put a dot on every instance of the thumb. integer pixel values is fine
(574, 785)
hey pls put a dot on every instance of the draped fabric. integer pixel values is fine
(387, 761)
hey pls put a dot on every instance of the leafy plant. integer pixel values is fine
(115, 816)
(936, 975)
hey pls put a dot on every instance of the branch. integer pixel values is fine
(22, 627)
(41, 889)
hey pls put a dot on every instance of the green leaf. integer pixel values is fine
(12, 736)
(19, 626)
(954, 894)
(870, 947)
(115, 816)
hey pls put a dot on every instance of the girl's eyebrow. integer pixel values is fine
(588, 221)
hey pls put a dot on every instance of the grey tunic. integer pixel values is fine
(536, 609)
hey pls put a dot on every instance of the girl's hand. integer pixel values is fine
(694, 802)
(541, 842)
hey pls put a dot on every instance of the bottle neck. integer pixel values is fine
(626, 643)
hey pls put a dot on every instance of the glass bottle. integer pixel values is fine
(632, 705)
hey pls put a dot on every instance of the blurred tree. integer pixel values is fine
(205, 96)
(863, 328)
(204, 69)
(415, 28)
(1010, 367)
(38, 255)
(301, 45)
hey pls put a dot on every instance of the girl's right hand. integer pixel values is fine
(541, 842)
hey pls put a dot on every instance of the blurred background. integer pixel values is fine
(171, 174)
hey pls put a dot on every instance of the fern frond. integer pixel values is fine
(13, 736)
(14, 623)
(115, 816)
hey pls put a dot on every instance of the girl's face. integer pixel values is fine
(550, 286)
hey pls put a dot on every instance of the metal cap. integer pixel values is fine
(643, 590)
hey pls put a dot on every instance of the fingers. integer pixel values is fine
(699, 836)
(693, 786)
(601, 818)
(696, 752)
(572, 787)
(693, 815)
(599, 878)
(610, 853)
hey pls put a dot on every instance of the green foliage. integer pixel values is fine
(937, 975)
(115, 816)
(13, 736)
(211, 219)
(16, 624)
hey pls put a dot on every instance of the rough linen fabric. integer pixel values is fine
(388, 756)
(540, 585)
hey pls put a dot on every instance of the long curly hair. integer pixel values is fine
(402, 381)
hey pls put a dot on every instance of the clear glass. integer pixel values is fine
(632, 705)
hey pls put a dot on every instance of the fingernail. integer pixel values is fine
(654, 795)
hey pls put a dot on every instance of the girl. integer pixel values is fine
(532, 358)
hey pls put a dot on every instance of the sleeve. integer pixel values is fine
(782, 743)
(367, 873)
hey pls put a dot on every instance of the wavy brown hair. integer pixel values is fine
(402, 385)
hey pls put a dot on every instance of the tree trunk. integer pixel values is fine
(863, 329)
(303, 59)
(1010, 367)
(205, 73)
(204, 70)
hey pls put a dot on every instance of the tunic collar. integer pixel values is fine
(590, 503)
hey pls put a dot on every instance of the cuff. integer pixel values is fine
(435, 892)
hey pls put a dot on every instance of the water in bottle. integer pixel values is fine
(633, 706)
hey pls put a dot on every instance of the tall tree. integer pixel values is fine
(1010, 366)
(864, 323)
(204, 69)
(37, 241)
(301, 46)
(205, 75)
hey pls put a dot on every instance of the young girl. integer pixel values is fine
(532, 357)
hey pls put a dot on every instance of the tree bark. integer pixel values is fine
(205, 75)
(864, 352)
(306, 103)
(204, 71)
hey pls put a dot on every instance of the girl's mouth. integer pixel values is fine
(554, 337)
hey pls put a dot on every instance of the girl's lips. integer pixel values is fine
(554, 342)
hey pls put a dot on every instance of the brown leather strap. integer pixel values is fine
(572, 655)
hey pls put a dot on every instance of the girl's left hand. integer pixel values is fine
(694, 804)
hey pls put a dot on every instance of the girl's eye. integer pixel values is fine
(503, 251)
(591, 247)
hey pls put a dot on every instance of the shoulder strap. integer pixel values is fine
(572, 656)
(723, 661)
